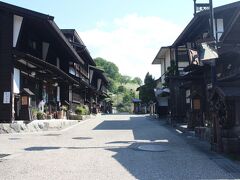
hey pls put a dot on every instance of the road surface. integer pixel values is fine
(110, 147)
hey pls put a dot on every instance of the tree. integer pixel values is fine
(146, 92)
(127, 98)
(121, 89)
(110, 68)
(137, 80)
(112, 87)
(125, 79)
(148, 79)
(118, 84)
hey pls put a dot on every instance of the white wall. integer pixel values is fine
(17, 23)
(164, 66)
(16, 81)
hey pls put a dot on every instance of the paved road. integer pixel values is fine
(106, 148)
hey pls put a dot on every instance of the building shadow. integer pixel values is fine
(141, 164)
(145, 165)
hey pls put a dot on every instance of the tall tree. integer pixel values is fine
(148, 79)
(110, 68)
(125, 79)
(146, 92)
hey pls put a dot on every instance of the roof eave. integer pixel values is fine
(24, 12)
(66, 42)
(159, 54)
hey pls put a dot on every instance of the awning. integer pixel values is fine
(135, 100)
(44, 65)
(161, 91)
(28, 91)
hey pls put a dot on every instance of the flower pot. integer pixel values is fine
(60, 115)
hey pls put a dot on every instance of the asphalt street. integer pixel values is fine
(110, 147)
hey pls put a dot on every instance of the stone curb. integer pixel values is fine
(41, 125)
(36, 125)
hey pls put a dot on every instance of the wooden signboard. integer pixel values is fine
(24, 100)
(196, 104)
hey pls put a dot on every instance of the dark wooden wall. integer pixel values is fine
(6, 64)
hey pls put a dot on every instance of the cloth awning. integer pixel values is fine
(135, 100)
(161, 91)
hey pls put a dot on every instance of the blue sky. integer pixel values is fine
(126, 32)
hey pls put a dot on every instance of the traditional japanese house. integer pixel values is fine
(99, 83)
(163, 58)
(170, 95)
(39, 66)
(78, 71)
(211, 81)
(93, 88)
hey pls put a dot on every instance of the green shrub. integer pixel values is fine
(86, 108)
(40, 115)
(79, 110)
(82, 110)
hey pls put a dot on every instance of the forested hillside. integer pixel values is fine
(122, 88)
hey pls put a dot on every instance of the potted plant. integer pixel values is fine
(40, 115)
(60, 114)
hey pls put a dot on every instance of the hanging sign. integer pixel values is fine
(6, 98)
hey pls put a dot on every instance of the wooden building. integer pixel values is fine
(51, 65)
(207, 94)
(173, 61)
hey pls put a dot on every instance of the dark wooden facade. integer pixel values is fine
(35, 54)
(207, 93)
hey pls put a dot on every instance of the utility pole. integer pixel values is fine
(212, 34)
(212, 30)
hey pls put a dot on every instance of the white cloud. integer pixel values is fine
(132, 43)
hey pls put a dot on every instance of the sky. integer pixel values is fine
(126, 32)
